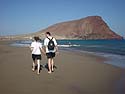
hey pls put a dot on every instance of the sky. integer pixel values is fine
(28, 16)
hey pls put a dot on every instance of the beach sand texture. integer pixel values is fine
(76, 73)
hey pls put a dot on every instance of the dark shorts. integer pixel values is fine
(35, 57)
(50, 55)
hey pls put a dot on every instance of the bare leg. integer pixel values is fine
(38, 66)
(49, 65)
(52, 63)
(33, 68)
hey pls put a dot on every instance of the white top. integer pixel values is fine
(46, 41)
(36, 47)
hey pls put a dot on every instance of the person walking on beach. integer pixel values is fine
(36, 48)
(51, 49)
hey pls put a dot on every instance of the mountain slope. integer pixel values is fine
(92, 27)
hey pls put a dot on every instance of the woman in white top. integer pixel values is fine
(51, 48)
(36, 48)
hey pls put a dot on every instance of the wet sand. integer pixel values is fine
(75, 73)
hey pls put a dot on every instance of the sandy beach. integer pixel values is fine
(75, 73)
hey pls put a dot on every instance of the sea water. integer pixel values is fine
(114, 50)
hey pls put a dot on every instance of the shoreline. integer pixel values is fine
(76, 73)
(109, 57)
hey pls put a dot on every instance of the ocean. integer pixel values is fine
(114, 50)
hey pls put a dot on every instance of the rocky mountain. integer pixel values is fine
(92, 27)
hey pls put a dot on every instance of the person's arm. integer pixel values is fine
(31, 47)
(43, 51)
(41, 48)
(56, 46)
(45, 45)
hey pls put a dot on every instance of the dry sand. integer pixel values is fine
(76, 73)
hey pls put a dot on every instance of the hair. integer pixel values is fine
(48, 33)
(36, 38)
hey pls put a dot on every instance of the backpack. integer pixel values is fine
(51, 44)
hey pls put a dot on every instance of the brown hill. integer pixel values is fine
(92, 27)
